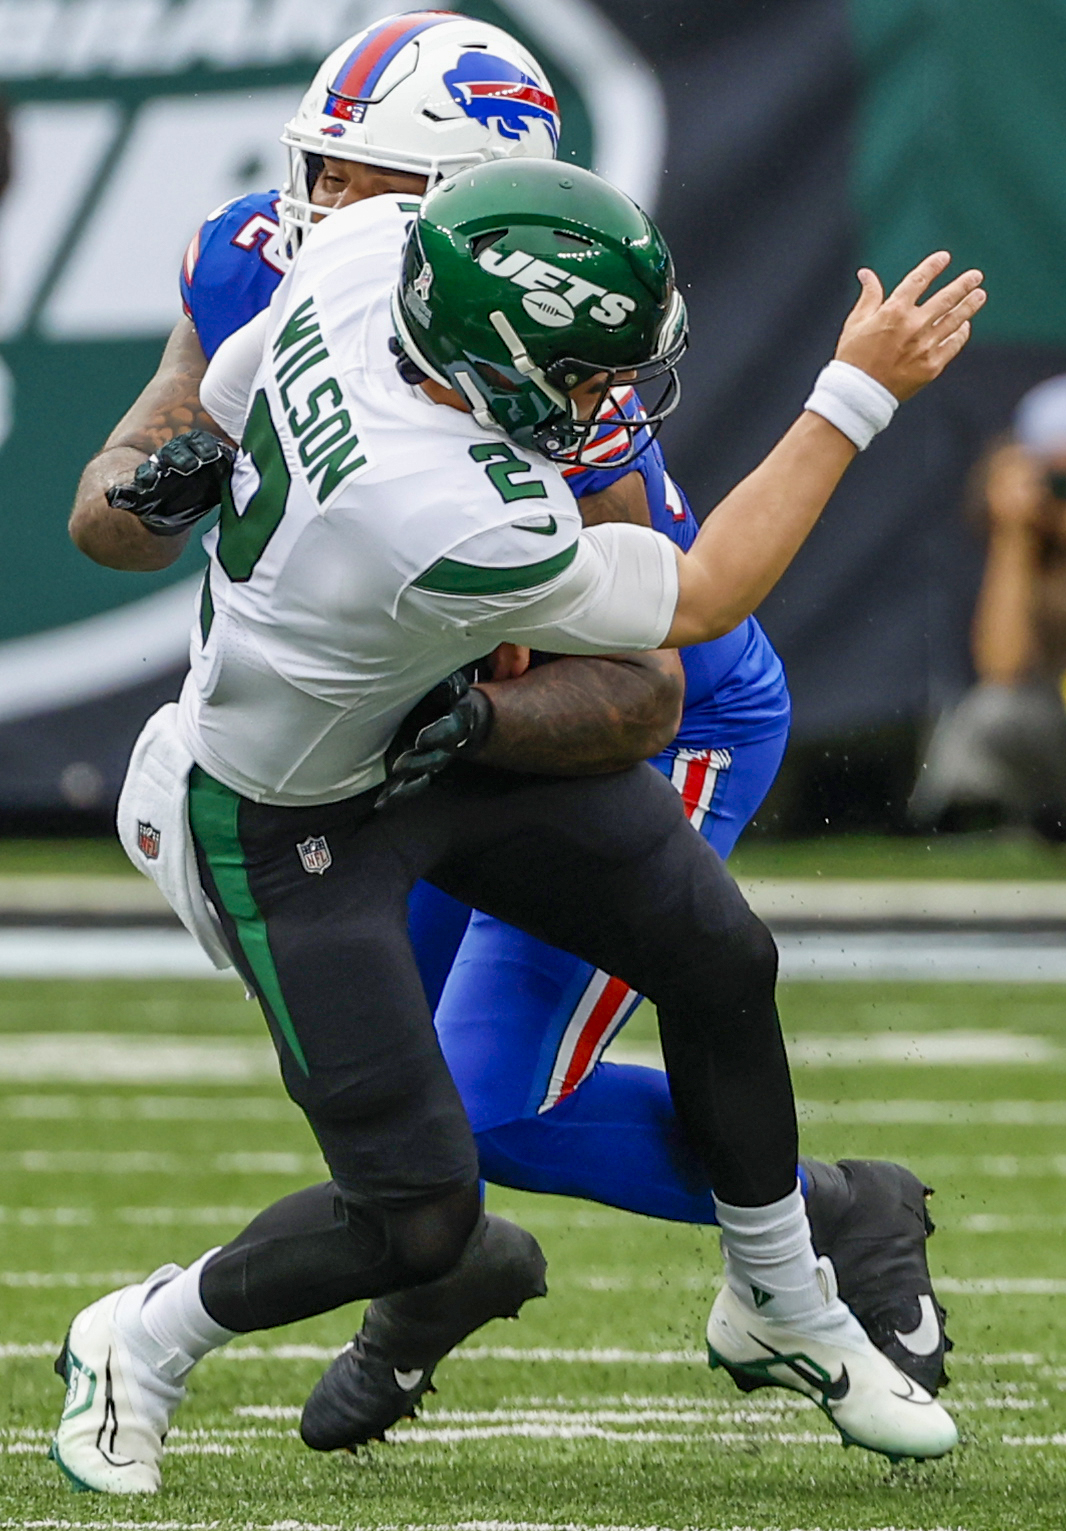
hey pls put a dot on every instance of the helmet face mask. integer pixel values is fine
(428, 93)
(520, 283)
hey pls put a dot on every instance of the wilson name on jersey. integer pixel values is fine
(372, 541)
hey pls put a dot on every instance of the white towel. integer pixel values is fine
(153, 825)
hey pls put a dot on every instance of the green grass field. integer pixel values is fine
(1006, 855)
(101, 1179)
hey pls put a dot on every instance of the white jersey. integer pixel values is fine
(374, 541)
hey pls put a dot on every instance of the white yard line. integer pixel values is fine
(132, 1059)
(935, 1113)
(44, 1161)
(535, 1355)
(992, 1222)
(993, 1166)
(148, 1217)
(47, 952)
(921, 957)
(129, 1058)
(149, 1108)
(826, 955)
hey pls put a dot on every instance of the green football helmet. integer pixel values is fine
(522, 279)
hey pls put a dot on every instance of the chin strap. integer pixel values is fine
(524, 363)
(476, 400)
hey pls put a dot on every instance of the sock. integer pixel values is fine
(771, 1265)
(174, 1317)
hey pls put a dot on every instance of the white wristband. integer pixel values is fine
(853, 401)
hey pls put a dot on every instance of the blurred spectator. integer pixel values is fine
(1004, 746)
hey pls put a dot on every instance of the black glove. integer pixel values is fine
(177, 485)
(450, 718)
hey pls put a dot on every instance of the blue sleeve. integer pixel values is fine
(670, 513)
(232, 267)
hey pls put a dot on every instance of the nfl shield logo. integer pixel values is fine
(315, 854)
(423, 281)
(148, 838)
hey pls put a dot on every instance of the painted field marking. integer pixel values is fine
(148, 1217)
(925, 1049)
(150, 1108)
(930, 1049)
(128, 1058)
(276, 1108)
(995, 1166)
(935, 1113)
(44, 952)
(992, 1222)
(921, 957)
(883, 956)
(236, 1217)
(1045, 1363)
(45, 1161)
(981, 1286)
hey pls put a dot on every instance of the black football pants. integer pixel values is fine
(606, 867)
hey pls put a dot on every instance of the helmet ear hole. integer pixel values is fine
(571, 241)
(482, 242)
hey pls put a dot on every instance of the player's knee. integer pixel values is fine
(748, 951)
(427, 1240)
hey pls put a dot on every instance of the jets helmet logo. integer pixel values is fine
(487, 88)
(554, 296)
(315, 854)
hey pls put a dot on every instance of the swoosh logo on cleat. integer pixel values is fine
(924, 1340)
(810, 1372)
(408, 1380)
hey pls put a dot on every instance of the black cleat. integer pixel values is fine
(383, 1375)
(870, 1217)
(360, 1397)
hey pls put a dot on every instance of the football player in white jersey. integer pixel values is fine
(487, 98)
(381, 531)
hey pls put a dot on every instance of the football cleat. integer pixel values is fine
(871, 1218)
(869, 1400)
(362, 1395)
(121, 1393)
(386, 1371)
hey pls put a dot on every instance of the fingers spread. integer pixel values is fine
(943, 301)
(952, 345)
(962, 313)
(926, 272)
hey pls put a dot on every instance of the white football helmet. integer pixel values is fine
(428, 92)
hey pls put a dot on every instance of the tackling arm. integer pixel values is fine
(584, 716)
(169, 406)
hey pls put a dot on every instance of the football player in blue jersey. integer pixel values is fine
(523, 1026)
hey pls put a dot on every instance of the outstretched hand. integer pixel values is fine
(901, 342)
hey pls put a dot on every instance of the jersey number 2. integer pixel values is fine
(243, 535)
(502, 465)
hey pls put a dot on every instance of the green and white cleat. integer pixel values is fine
(121, 1393)
(869, 1400)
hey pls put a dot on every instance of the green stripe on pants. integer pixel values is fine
(213, 815)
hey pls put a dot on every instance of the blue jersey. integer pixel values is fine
(735, 688)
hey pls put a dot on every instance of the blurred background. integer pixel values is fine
(779, 142)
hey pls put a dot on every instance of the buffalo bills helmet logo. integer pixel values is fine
(488, 87)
